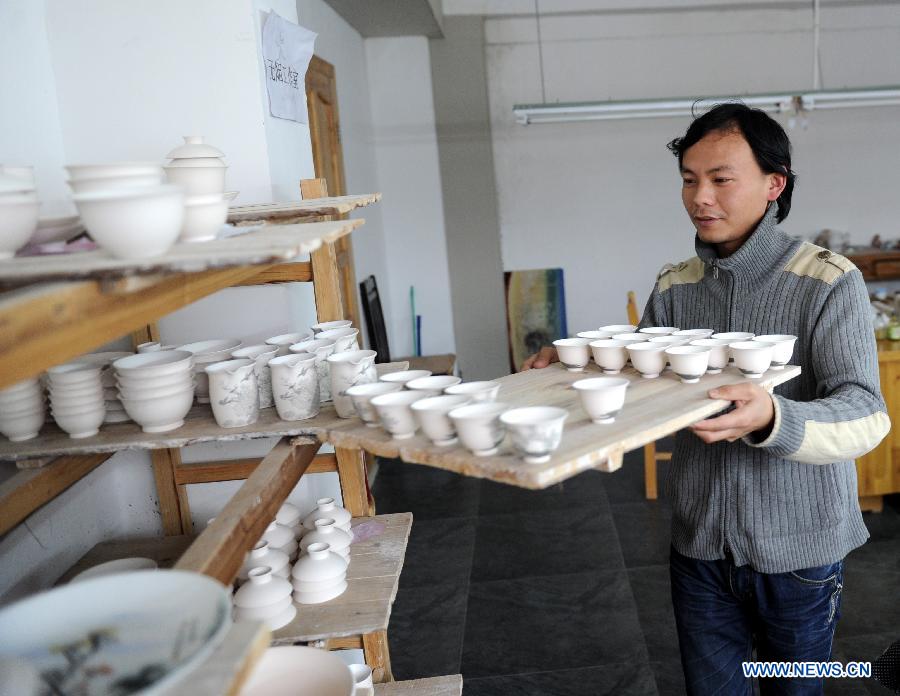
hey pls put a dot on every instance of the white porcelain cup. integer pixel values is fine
(362, 394)
(535, 431)
(602, 397)
(434, 385)
(394, 412)
(613, 329)
(348, 369)
(689, 362)
(648, 358)
(629, 338)
(610, 355)
(752, 358)
(782, 348)
(574, 353)
(285, 341)
(479, 427)
(345, 339)
(694, 334)
(484, 391)
(234, 392)
(432, 415)
(719, 353)
(329, 325)
(403, 376)
(261, 354)
(321, 348)
(295, 386)
(659, 330)
(733, 337)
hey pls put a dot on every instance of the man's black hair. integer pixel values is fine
(770, 144)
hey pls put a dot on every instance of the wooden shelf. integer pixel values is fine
(285, 213)
(434, 686)
(372, 578)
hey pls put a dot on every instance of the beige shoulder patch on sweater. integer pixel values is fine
(686, 272)
(813, 261)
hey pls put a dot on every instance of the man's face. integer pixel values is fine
(724, 190)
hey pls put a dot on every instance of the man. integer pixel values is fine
(764, 497)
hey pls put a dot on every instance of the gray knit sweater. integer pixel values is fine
(788, 502)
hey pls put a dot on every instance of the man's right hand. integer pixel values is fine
(546, 356)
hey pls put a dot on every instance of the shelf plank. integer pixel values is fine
(164, 550)
(373, 577)
(300, 210)
(434, 686)
(295, 272)
(219, 551)
(227, 668)
(267, 245)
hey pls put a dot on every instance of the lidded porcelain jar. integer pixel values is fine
(319, 575)
(266, 597)
(281, 539)
(263, 555)
(327, 532)
(327, 509)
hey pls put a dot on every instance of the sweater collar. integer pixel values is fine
(761, 250)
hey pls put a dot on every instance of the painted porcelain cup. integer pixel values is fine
(394, 412)
(689, 362)
(782, 348)
(261, 354)
(719, 354)
(479, 427)
(295, 386)
(344, 339)
(284, 341)
(535, 431)
(602, 397)
(610, 355)
(484, 391)
(434, 385)
(321, 348)
(329, 325)
(362, 394)
(432, 415)
(648, 358)
(348, 369)
(752, 358)
(574, 353)
(234, 392)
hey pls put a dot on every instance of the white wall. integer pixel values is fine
(602, 201)
(409, 174)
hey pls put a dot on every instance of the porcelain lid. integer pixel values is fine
(194, 147)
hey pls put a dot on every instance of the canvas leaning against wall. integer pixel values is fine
(535, 311)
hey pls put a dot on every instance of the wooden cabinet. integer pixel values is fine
(877, 265)
(879, 470)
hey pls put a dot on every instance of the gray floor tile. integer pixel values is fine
(623, 679)
(653, 599)
(439, 551)
(645, 532)
(584, 490)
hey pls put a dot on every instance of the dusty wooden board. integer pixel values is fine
(372, 579)
(229, 665)
(164, 550)
(266, 245)
(315, 207)
(199, 426)
(654, 408)
(444, 364)
(435, 686)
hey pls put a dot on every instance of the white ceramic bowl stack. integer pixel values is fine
(115, 411)
(327, 532)
(206, 353)
(156, 389)
(319, 575)
(281, 538)
(264, 555)
(22, 410)
(19, 209)
(266, 597)
(200, 170)
(76, 398)
(328, 509)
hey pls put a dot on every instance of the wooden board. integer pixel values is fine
(444, 364)
(654, 408)
(435, 686)
(372, 578)
(300, 210)
(267, 245)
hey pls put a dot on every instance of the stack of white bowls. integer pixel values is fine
(266, 597)
(319, 575)
(205, 353)
(200, 170)
(156, 389)
(18, 209)
(115, 411)
(126, 207)
(76, 398)
(22, 410)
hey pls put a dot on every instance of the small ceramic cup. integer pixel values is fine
(610, 355)
(401, 377)
(689, 362)
(719, 355)
(694, 334)
(592, 335)
(782, 348)
(344, 339)
(284, 341)
(329, 325)
(629, 338)
(574, 353)
(752, 358)
(659, 330)
(479, 427)
(602, 397)
(394, 411)
(613, 329)
(535, 431)
(362, 394)
(648, 358)
(431, 413)
(434, 385)
(479, 392)
(733, 337)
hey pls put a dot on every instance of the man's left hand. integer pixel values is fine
(753, 411)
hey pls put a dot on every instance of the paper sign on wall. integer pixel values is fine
(287, 49)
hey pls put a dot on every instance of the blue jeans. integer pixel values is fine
(723, 612)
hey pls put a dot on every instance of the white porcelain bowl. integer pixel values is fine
(719, 353)
(74, 374)
(111, 183)
(116, 169)
(659, 330)
(479, 427)
(143, 392)
(602, 397)
(535, 431)
(648, 358)
(24, 426)
(197, 181)
(403, 376)
(610, 355)
(154, 365)
(362, 394)
(394, 412)
(26, 385)
(76, 403)
(782, 348)
(689, 362)
(80, 423)
(432, 415)
(694, 334)
(18, 220)
(614, 329)
(484, 391)
(752, 358)
(26, 404)
(134, 222)
(574, 353)
(182, 380)
(203, 217)
(161, 414)
(433, 385)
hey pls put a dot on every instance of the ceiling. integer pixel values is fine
(391, 17)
